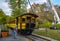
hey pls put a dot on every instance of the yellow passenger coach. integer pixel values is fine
(25, 23)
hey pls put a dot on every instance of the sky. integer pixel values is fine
(5, 6)
(56, 2)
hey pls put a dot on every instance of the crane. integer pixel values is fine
(56, 17)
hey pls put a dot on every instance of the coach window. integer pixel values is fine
(23, 20)
(33, 21)
(28, 19)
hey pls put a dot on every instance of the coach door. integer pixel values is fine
(28, 22)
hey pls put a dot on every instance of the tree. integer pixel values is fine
(3, 20)
(12, 4)
(2, 17)
(58, 26)
(2, 14)
(43, 12)
(46, 24)
(18, 7)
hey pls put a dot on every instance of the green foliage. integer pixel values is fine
(3, 20)
(45, 24)
(5, 28)
(18, 7)
(15, 3)
(2, 17)
(7, 18)
(58, 26)
(12, 4)
(2, 14)
(15, 12)
(55, 34)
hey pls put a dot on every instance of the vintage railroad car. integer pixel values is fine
(25, 23)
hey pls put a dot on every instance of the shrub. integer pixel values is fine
(46, 24)
(58, 26)
(4, 28)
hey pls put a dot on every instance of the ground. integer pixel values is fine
(11, 37)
